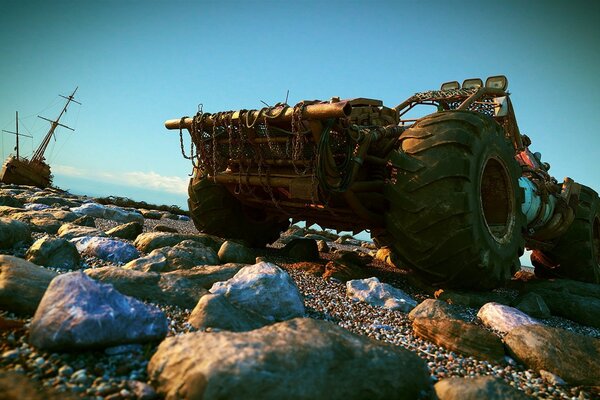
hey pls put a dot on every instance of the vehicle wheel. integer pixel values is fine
(457, 220)
(577, 253)
(217, 212)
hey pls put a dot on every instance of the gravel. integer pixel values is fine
(120, 373)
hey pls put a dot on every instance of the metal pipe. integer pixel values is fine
(340, 109)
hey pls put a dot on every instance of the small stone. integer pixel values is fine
(79, 376)
(65, 371)
(551, 378)
(11, 355)
(141, 390)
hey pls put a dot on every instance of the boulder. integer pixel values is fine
(571, 356)
(128, 231)
(164, 228)
(149, 241)
(357, 257)
(264, 289)
(54, 201)
(322, 246)
(109, 212)
(10, 201)
(432, 308)
(184, 218)
(232, 252)
(461, 337)
(36, 207)
(560, 285)
(582, 309)
(13, 233)
(179, 288)
(150, 214)
(503, 318)
(386, 255)
(471, 299)
(297, 359)
(112, 250)
(54, 252)
(71, 231)
(22, 284)
(344, 271)
(216, 312)
(86, 220)
(378, 294)
(169, 215)
(150, 286)
(477, 388)
(533, 305)
(301, 249)
(77, 312)
(184, 255)
(48, 221)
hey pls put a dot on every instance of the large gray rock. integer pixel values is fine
(533, 305)
(149, 241)
(478, 388)
(70, 231)
(264, 289)
(10, 201)
(378, 294)
(582, 309)
(128, 231)
(48, 221)
(178, 288)
(232, 252)
(432, 308)
(13, 233)
(115, 251)
(572, 357)
(54, 252)
(77, 312)
(54, 201)
(184, 255)
(301, 249)
(215, 311)
(503, 318)
(297, 359)
(151, 286)
(109, 212)
(22, 284)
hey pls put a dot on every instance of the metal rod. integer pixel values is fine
(283, 113)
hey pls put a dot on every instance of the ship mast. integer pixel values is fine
(17, 132)
(39, 153)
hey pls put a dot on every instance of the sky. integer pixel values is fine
(139, 63)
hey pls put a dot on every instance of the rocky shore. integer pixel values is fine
(108, 302)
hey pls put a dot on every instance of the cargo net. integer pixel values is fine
(453, 98)
(258, 142)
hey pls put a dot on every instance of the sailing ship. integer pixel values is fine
(35, 171)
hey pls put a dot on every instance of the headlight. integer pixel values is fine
(497, 82)
(450, 85)
(472, 83)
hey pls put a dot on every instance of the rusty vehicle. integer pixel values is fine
(457, 194)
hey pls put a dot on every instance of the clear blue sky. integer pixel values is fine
(138, 63)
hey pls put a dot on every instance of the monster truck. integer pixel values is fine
(456, 194)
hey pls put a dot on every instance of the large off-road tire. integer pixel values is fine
(457, 220)
(216, 211)
(577, 253)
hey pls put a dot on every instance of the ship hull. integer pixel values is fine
(20, 171)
